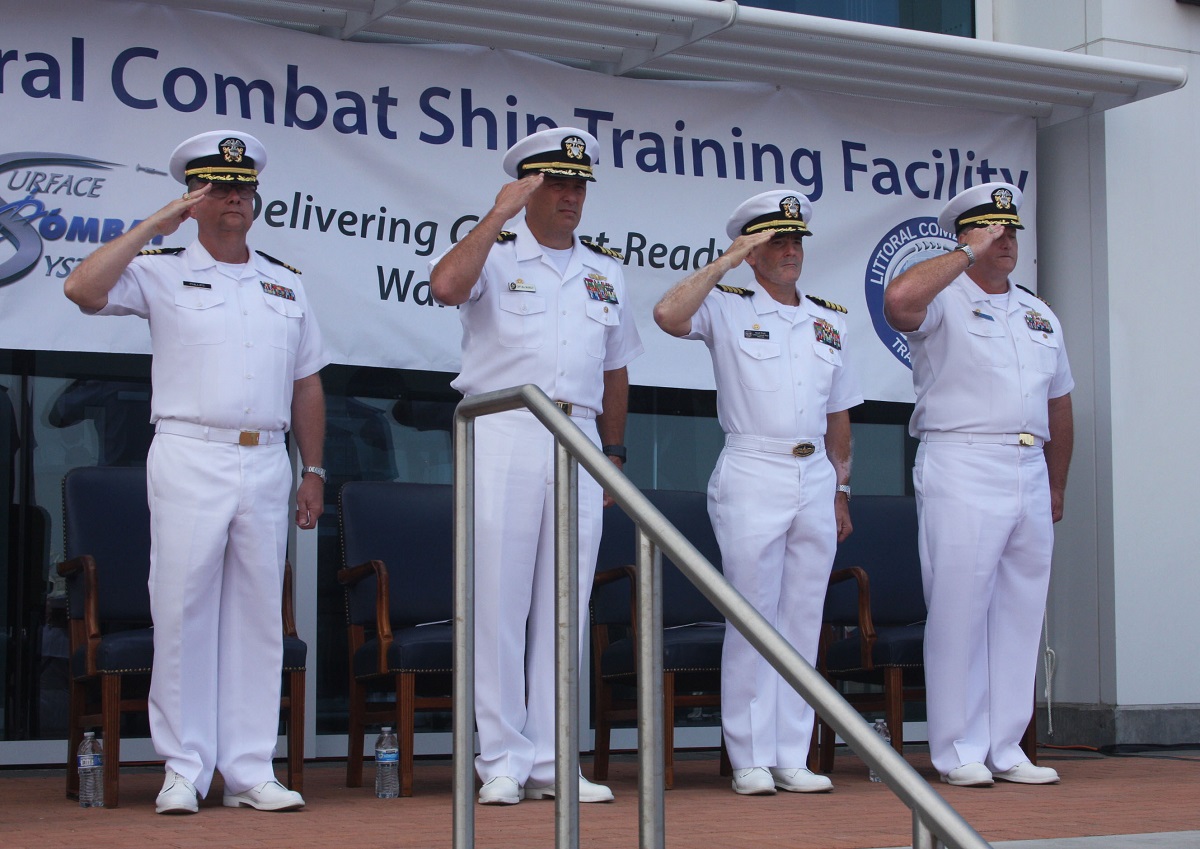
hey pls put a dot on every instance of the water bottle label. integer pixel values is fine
(386, 756)
(88, 761)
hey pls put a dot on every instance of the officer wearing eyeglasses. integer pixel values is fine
(237, 354)
(993, 414)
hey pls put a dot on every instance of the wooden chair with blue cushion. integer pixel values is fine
(106, 524)
(692, 639)
(397, 573)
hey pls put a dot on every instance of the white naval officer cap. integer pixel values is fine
(219, 156)
(987, 203)
(561, 151)
(782, 210)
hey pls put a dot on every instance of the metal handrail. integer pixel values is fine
(935, 823)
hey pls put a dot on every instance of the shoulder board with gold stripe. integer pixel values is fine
(270, 258)
(735, 290)
(829, 305)
(601, 250)
(161, 251)
(1035, 294)
(506, 236)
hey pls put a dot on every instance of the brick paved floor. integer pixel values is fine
(1098, 796)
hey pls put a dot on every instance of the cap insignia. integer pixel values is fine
(232, 149)
(1002, 198)
(790, 207)
(574, 147)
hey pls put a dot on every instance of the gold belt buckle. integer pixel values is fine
(803, 449)
(565, 406)
(1025, 439)
(248, 437)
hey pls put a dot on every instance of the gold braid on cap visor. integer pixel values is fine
(992, 218)
(218, 174)
(559, 169)
(783, 225)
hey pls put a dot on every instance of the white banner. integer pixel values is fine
(382, 156)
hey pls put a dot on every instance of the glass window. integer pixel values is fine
(59, 411)
(952, 17)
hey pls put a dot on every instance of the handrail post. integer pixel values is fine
(566, 648)
(651, 783)
(464, 633)
(923, 838)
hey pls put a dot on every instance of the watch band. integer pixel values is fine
(844, 487)
(316, 470)
(617, 451)
(965, 248)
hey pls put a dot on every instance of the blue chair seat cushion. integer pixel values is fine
(690, 648)
(426, 648)
(895, 645)
(120, 652)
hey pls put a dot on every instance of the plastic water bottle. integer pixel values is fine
(90, 758)
(881, 729)
(387, 765)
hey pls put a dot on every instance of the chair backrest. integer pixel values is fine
(683, 604)
(410, 527)
(106, 515)
(884, 545)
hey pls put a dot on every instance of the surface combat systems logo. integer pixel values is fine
(906, 244)
(27, 223)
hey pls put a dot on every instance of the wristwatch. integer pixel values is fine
(965, 248)
(617, 451)
(316, 470)
(844, 487)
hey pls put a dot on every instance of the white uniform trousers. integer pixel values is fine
(986, 536)
(514, 591)
(774, 521)
(218, 520)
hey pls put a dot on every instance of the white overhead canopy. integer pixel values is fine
(720, 40)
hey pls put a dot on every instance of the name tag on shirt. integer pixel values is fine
(981, 314)
(193, 284)
(519, 285)
(758, 334)
(599, 289)
(277, 290)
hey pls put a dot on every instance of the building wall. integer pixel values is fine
(1118, 195)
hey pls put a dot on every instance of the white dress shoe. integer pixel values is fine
(588, 792)
(1027, 773)
(268, 796)
(969, 775)
(501, 790)
(177, 796)
(755, 781)
(800, 781)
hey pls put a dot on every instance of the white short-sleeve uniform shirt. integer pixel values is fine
(226, 351)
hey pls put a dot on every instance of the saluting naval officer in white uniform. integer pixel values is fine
(236, 356)
(993, 414)
(538, 305)
(780, 493)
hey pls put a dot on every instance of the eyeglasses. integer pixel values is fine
(220, 191)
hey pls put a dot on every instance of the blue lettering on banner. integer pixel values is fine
(906, 244)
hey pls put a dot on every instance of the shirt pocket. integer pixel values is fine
(990, 346)
(759, 364)
(1044, 351)
(521, 318)
(827, 361)
(602, 315)
(285, 318)
(199, 317)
